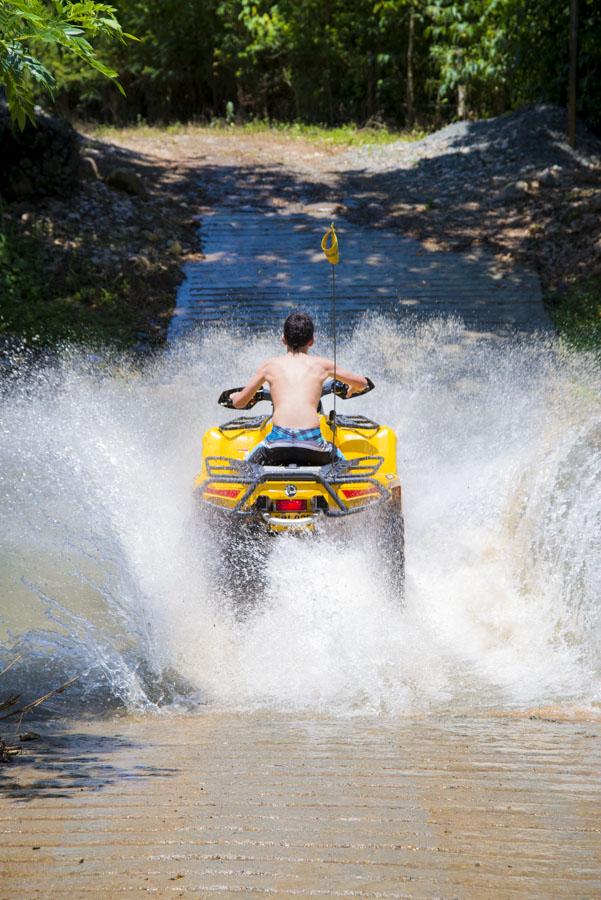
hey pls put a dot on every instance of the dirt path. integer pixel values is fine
(239, 804)
(511, 184)
(260, 197)
(112, 257)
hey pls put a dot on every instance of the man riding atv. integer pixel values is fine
(295, 383)
(293, 468)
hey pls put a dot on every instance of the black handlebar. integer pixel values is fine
(225, 398)
(341, 389)
(330, 386)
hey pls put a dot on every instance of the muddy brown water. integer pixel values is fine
(233, 804)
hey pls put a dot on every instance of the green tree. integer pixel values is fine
(473, 50)
(28, 26)
(494, 55)
(317, 61)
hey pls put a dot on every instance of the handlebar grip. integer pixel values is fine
(225, 397)
(341, 389)
(366, 390)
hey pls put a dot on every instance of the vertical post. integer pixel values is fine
(409, 90)
(573, 76)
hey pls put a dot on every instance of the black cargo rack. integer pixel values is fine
(358, 423)
(249, 423)
(223, 470)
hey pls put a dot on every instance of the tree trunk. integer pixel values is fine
(462, 101)
(370, 104)
(573, 76)
(410, 90)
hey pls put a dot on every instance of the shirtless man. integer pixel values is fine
(295, 381)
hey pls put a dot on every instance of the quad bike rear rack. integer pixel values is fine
(248, 423)
(223, 470)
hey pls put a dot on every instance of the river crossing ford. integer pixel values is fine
(329, 743)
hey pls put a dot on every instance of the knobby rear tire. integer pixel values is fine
(237, 557)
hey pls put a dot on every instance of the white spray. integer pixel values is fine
(105, 570)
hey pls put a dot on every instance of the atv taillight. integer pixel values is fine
(291, 505)
(222, 492)
(351, 493)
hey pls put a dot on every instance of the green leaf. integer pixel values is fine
(59, 23)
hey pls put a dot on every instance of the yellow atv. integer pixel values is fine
(297, 489)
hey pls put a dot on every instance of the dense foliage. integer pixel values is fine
(507, 52)
(335, 61)
(30, 29)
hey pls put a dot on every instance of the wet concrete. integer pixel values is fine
(237, 804)
(262, 262)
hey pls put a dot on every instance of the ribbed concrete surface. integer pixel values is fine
(261, 263)
(229, 805)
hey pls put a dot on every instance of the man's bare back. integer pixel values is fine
(295, 381)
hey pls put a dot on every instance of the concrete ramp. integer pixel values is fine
(261, 264)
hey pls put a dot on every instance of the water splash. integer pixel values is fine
(105, 569)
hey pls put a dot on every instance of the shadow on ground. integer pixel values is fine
(63, 764)
(97, 264)
(512, 183)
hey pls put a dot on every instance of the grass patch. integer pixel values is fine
(349, 135)
(78, 304)
(576, 314)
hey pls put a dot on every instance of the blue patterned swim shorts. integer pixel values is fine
(307, 438)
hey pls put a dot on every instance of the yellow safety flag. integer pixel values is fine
(331, 251)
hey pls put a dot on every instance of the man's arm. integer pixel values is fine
(241, 398)
(355, 382)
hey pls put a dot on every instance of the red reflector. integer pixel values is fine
(358, 492)
(222, 492)
(290, 505)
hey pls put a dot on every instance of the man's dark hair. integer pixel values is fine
(298, 330)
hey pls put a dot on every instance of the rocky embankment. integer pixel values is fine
(105, 234)
(512, 182)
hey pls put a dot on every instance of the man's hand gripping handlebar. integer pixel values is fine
(330, 386)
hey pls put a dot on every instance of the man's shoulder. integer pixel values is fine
(321, 362)
(270, 366)
(274, 361)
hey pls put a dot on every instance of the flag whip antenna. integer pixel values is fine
(329, 245)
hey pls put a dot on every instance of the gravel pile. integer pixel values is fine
(513, 146)
(512, 182)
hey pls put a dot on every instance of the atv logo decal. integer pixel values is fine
(290, 490)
